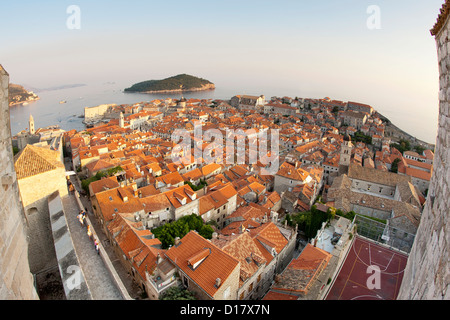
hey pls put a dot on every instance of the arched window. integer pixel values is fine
(32, 211)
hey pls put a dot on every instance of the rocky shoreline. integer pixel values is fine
(397, 134)
(13, 104)
(209, 87)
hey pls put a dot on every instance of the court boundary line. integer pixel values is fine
(352, 241)
(382, 271)
(384, 245)
(385, 249)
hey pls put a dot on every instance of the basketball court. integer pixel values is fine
(370, 272)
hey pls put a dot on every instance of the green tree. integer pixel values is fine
(177, 293)
(402, 146)
(394, 166)
(419, 149)
(168, 232)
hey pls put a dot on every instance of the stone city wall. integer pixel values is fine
(16, 280)
(427, 273)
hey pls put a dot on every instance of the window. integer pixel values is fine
(32, 211)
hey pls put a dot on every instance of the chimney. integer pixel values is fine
(177, 241)
(215, 235)
(218, 283)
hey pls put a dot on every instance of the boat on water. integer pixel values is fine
(62, 102)
(91, 123)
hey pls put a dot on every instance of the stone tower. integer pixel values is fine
(16, 281)
(121, 120)
(31, 125)
(345, 155)
(427, 274)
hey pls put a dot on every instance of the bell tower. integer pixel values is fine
(122, 120)
(346, 155)
(31, 125)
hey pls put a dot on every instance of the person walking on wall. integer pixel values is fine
(80, 218)
(89, 232)
(97, 246)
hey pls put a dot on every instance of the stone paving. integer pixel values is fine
(98, 277)
(128, 286)
(99, 281)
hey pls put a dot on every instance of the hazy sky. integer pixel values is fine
(299, 47)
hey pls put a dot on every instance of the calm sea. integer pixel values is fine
(49, 111)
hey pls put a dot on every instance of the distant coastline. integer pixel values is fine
(18, 95)
(205, 88)
(67, 86)
(13, 104)
(398, 134)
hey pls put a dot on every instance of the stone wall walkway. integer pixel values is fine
(97, 275)
(122, 279)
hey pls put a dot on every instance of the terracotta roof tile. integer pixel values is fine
(301, 272)
(34, 160)
(217, 265)
(243, 247)
(269, 233)
(444, 12)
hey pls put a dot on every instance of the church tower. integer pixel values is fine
(346, 155)
(122, 120)
(31, 125)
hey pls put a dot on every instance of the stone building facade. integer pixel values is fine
(16, 280)
(40, 173)
(427, 274)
